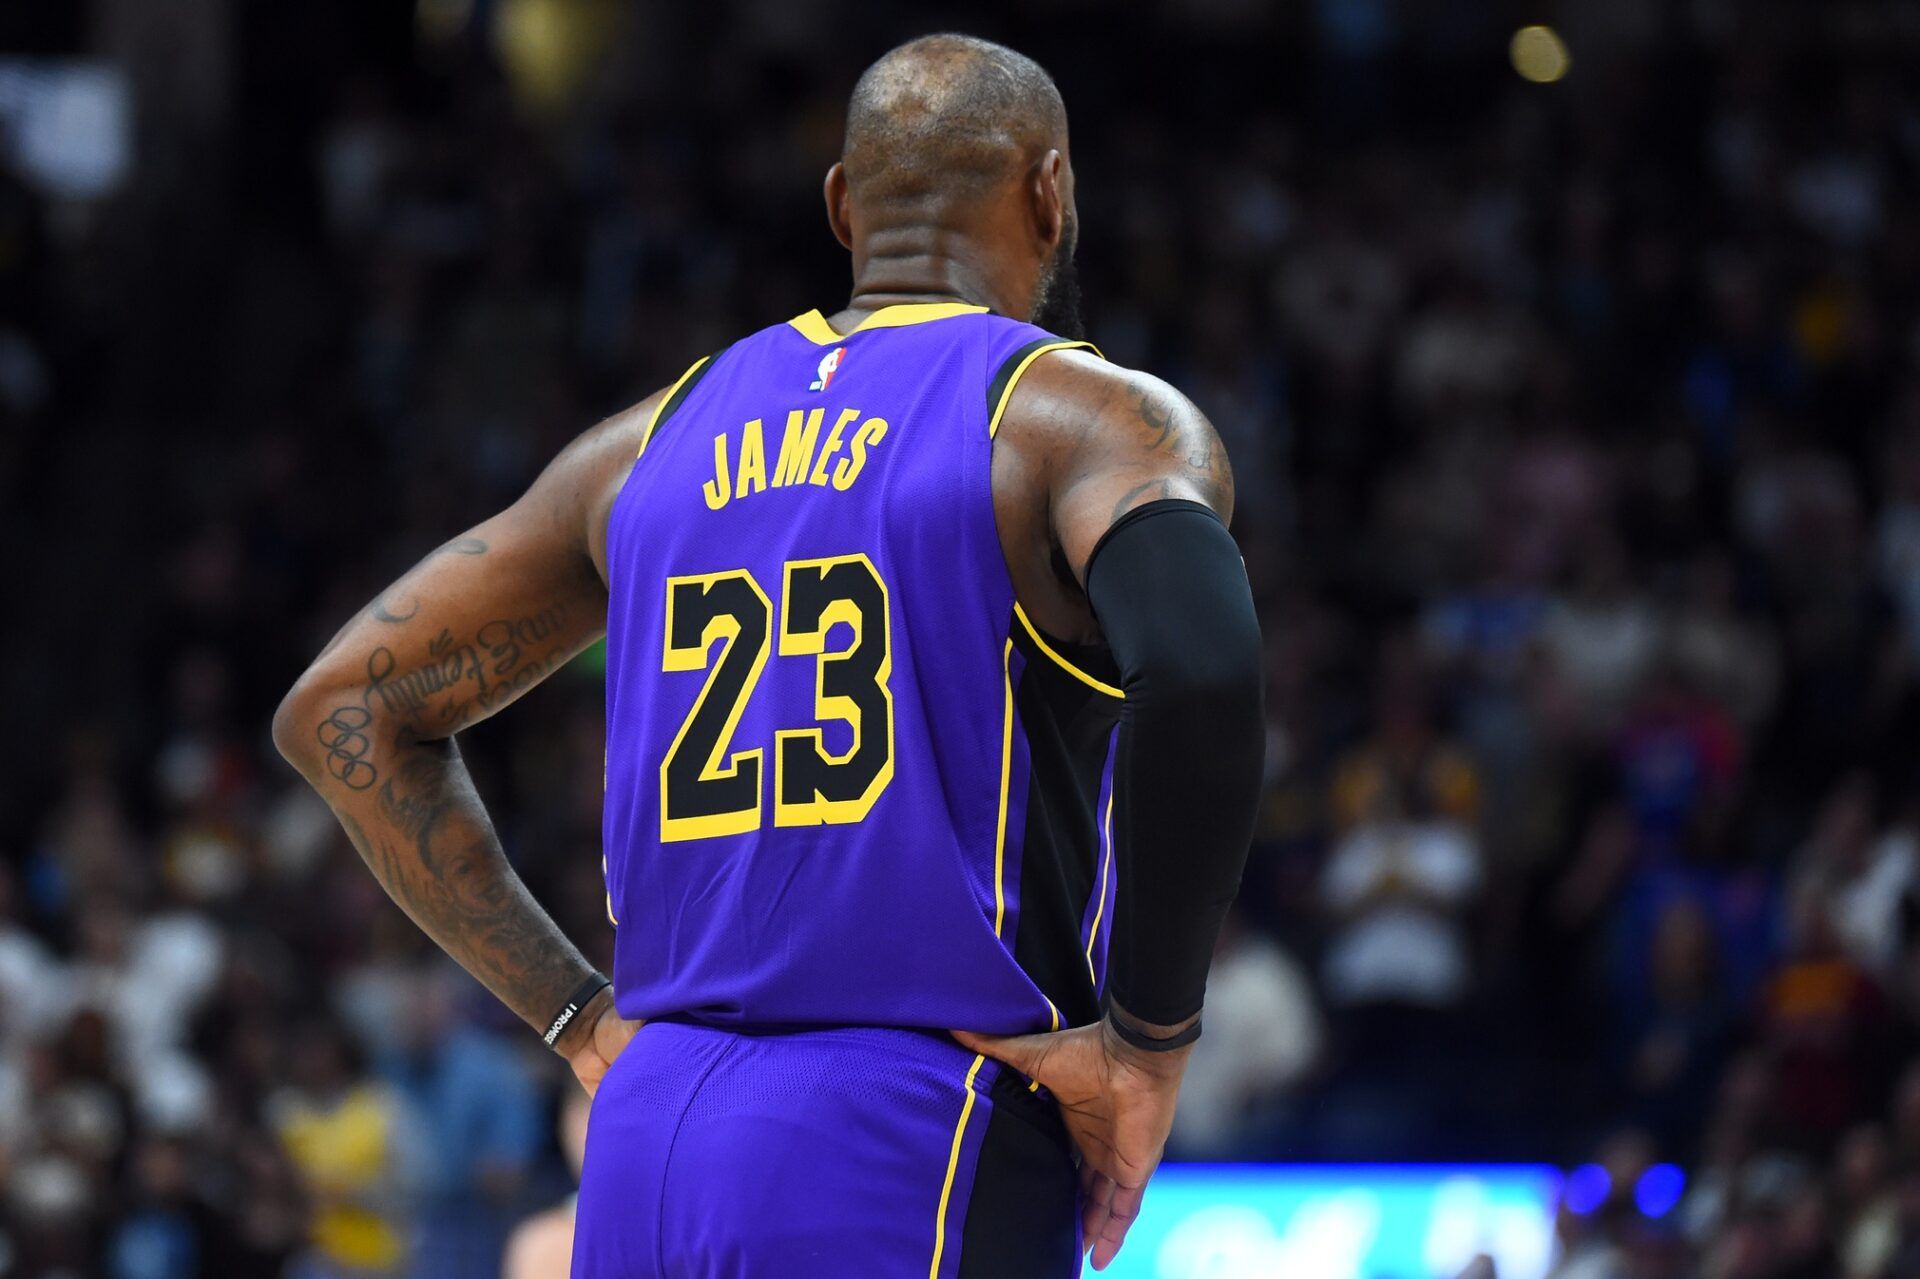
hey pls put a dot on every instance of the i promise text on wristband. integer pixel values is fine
(593, 985)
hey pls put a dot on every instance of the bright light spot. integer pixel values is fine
(1659, 1189)
(1231, 1241)
(1586, 1189)
(1539, 54)
(1251, 1222)
(549, 47)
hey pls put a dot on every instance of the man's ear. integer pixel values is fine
(839, 210)
(1049, 201)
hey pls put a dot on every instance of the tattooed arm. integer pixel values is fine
(1139, 441)
(465, 632)
(1082, 443)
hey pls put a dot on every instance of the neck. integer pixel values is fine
(920, 264)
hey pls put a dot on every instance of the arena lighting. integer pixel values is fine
(549, 47)
(66, 125)
(1658, 1189)
(1342, 1221)
(1539, 54)
(1654, 1194)
(1587, 1188)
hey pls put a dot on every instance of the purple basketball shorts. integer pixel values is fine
(824, 1152)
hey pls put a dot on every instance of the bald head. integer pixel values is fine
(954, 182)
(948, 116)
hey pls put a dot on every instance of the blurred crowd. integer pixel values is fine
(1577, 435)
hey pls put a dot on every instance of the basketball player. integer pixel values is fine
(933, 703)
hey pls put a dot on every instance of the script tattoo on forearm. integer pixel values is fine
(462, 677)
(459, 682)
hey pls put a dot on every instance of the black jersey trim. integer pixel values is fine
(1015, 366)
(1021, 1213)
(1051, 649)
(677, 395)
(1068, 727)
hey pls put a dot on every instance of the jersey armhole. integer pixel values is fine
(999, 394)
(1076, 666)
(677, 395)
(1015, 366)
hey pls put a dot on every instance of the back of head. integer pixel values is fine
(945, 118)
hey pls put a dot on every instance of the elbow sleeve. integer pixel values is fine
(1170, 591)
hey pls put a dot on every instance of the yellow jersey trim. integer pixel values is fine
(814, 328)
(953, 1163)
(1020, 370)
(1062, 662)
(1000, 835)
(1006, 779)
(660, 409)
(1034, 1085)
(1100, 909)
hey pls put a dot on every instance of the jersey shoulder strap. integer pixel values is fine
(677, 395)
(1014, 366)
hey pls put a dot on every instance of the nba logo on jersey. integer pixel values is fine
(828, 363)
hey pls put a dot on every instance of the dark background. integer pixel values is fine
(1577, 434)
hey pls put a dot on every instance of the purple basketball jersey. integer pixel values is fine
(847, 782)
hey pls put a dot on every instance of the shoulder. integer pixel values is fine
(1074, 395)
(1107, 438)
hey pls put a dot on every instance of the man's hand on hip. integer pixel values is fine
(1118, 1104)
(601, 1037)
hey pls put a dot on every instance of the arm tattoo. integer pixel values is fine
(1130, 498)
(1178, 431)
(434, 851)
(1190, 441)
(1158, 420)
(466, 679)
(409, 806)
(343, 734)
(379, 611)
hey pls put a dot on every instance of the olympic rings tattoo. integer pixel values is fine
(346, 746)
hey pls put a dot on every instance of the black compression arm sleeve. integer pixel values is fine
(1170, 590)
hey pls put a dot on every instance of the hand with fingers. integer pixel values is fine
(602, 1037)
(1117, 1100)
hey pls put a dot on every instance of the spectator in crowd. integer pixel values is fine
(1602, 637)
(1263, 1039)
(1865, 872)
(1675, 1032)
(541, 1247)
(1822, 1024)
(1407, 867)
(358, 1150)
(477, 1111)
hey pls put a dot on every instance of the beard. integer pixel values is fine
(1056, 299)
